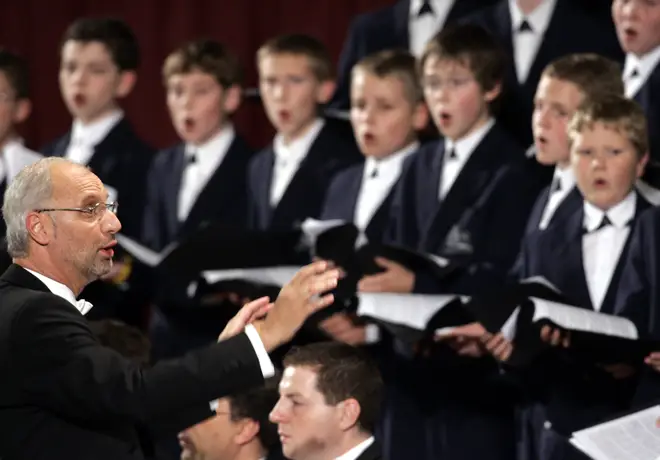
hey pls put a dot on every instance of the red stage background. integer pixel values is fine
(34, 27)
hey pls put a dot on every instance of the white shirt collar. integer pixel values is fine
(464, 147)
(93, 133)
(566, 177)
(356, 451)
(297, 149)
(390, 162)
(210, 152)
(10, 148)
(539, 19)
(62, 291)
(620, 214)
(644, 64)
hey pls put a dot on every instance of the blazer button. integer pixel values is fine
(547, 424)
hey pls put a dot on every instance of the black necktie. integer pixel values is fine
(556, 185)
(425, 9)
(191, 159)
(452, 154)
(604, 223)
(374, 172)
(525, 27)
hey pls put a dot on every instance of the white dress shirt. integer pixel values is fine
(374, 189)
(207, 159)
(601, 249)
(422, 28)
(356, 451)
(566, 180)
(15, 156)
(63, 291)
(463, 149)
(85, 137)
(637, 70)
(288, 158)
(526, 44)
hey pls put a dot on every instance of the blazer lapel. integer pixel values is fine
(210, 201)
(401, 12)
(109, 151)
(306, 172)
(472, 178)
(609, 301)
(264, 169)
(428, 187)
(353, 192)
(17, 275)
(61, 145)
(572, 262)
(503, 30)
(171, 189)
(550, 42)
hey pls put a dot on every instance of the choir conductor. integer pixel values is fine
(63, 395)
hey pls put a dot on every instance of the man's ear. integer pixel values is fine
(249, 430)
(350, 414)
(127, 80)
(39, 230)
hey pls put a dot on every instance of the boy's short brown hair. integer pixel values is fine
(301, 45)
(399, 64)
(16, 70)
(114, 34)
(208, 56)
(472, 46)
(617, 112)
(591, 73)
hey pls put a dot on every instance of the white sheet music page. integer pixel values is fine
(142, 253)
(633, 437)
(581, 319)
(277, 276)
(412, 310)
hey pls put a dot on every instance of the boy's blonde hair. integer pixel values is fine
(616, 112)
(399, 64)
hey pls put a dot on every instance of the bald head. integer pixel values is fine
(32, 189)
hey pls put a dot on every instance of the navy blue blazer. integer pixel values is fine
(569, 205)
(385, 28)
(648, 97)
(341, 201)
(121, 160)
(571, 30)
(304, 197)
(576, 394)
(639, 293)
(223, 199)
(481, 219)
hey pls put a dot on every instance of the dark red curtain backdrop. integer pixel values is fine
(34, 28)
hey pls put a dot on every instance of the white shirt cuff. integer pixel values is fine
(267, 368)
(372, 334)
